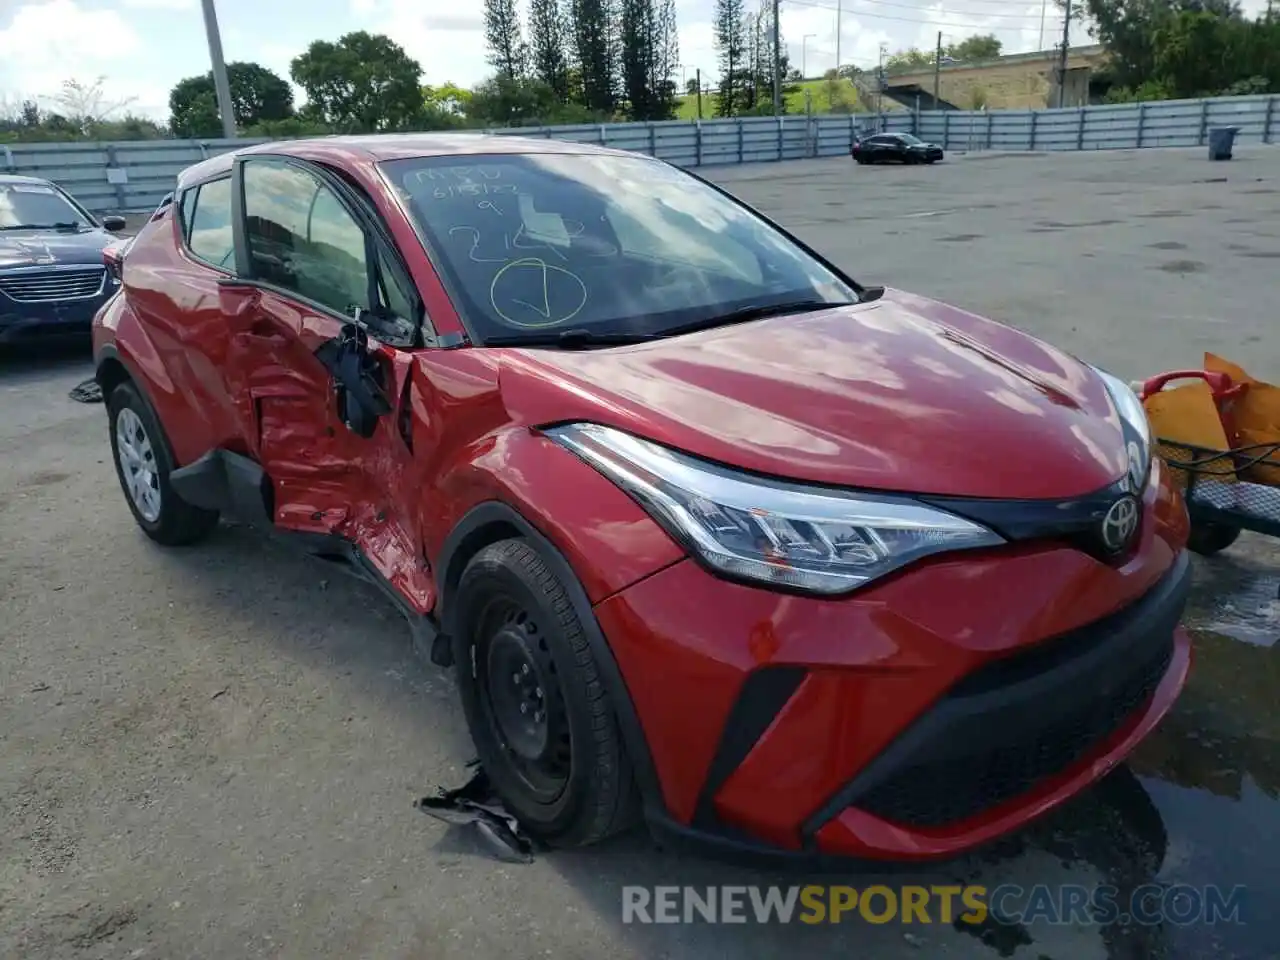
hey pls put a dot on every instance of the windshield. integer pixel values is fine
(909, 138)
(534, 245)
(36, 205)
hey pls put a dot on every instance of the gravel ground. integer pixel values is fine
(214, 752)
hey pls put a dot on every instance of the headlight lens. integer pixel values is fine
(1136, 427)
(786, 535)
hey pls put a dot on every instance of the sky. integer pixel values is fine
(141, 48)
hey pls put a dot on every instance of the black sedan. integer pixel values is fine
(896, 147)
(52, 275)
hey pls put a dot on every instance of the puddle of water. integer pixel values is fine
(1212, 768)
(1198, 804)
(1235, 598)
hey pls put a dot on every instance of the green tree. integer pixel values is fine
(756, 82)
(666, 61)
(363, 83)
(295, 126)
(984, 47)
(905, 60)
(1199, 54)
(503, 102)
(448, 97)
(731, 48)
(595, 53)
(1182, 48)
(507, 52)
(1128, 28)
(549, 45)
(648, 55)
(836, 90)
(257, 95)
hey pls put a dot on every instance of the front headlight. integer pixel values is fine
(1136, 427)
(787, 535)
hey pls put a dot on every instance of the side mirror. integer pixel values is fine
(359, 380)
(114, 224)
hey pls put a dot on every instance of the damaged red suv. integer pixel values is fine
(714, 535)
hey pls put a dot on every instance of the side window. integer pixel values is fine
(301, 238)
(392, 296)
(187, 209)
(208, 224)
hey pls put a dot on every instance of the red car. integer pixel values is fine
(715, 535)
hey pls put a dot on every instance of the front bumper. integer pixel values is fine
(937, 711)
(54, 318)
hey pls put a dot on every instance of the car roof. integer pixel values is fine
(345, 150)
(8, 178)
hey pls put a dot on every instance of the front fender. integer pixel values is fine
(606, 538)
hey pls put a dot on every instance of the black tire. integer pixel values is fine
(564, 775)
(178, 523)
(1207, 539)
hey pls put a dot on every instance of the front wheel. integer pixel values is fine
(144, 461)
(541, 720)
(1207, 539)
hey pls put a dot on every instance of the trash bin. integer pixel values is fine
(1221, 140)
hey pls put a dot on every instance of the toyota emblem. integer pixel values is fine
(1119, 524)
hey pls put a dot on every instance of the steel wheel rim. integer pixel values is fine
(514, 668)
(137, 459)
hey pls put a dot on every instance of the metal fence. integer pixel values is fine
(120, 177)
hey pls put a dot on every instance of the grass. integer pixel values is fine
(795, 102)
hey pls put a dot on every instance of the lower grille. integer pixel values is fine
(950, 791)
(54, 286)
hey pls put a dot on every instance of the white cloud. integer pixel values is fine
(47, 43)
(449, 45)
(159, 4)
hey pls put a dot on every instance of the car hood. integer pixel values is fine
(37, 248)
(903, 394)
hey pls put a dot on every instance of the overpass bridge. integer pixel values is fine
(1017, 81)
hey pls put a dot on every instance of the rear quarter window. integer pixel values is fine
(208, 224)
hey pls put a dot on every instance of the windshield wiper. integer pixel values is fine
(758, 311)
(42, 226)
(575, 337)
(580, 337)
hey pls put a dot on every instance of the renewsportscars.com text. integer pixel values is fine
(1075, 904)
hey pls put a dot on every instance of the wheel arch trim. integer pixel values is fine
(109, 354)
(485, 524)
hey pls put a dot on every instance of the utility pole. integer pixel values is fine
(698, 76)
(777, 63)
(840, 11)
(880, 84)
(221, 85)
(1044, 7)
(937, 69)
(1062, 55)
